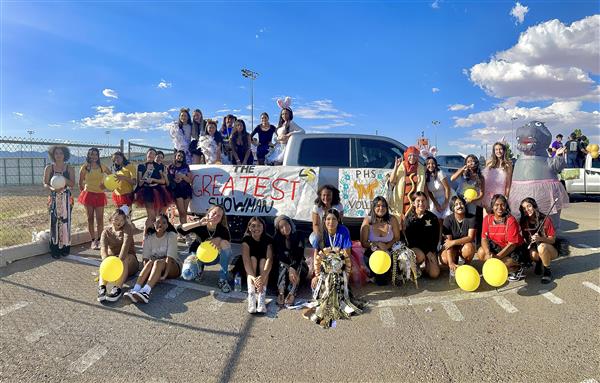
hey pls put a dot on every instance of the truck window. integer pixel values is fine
(377, 154)
(325, 152)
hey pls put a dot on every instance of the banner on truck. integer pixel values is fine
(358, 187)
(255, 190)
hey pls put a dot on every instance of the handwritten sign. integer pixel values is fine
(358, 187)
(255, 190)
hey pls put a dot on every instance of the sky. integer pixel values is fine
(78, 69)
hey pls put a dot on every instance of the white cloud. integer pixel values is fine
(320, 109)
(456, 107)
(518, 12)
(332, 125)
(435, 4)
(435, 90)
(556, 44)
(463, 144)
(173, 110)
(249, 107)
(110, 93)
(54, 125)
(18, 114)
(106, 117)
(223, 111)
(163, 84)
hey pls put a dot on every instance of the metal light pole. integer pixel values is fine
(107, 132)
(512, 130)
(247, 73)
(435, 123)
(31, 133)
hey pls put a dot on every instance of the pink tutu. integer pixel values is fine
(542, 191)
(495, 182)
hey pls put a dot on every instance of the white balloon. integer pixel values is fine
(58, 182)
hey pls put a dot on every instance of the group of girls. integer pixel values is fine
(203, 143)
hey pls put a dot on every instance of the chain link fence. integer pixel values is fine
(23, 199)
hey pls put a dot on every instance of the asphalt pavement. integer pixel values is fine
(52, 329)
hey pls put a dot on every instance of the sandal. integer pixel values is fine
(290, 299)
(280, 299)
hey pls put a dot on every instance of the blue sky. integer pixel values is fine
(74, 70)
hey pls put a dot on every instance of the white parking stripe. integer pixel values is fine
(505, 304)
(88, 359)
(591, 286)
(453, 311)
(586, 246)
(42, 332)
(551, 297)
(387, 317)
(15, 307)
(174, 292)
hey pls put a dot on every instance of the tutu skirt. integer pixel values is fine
(92, 199)
(275, 156)
(543, 191)
(157, 196)
(182, 190)
(122, 199)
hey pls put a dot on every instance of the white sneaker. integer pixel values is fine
(251, 302)
(261, 307)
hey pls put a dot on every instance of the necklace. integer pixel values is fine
(211, 235)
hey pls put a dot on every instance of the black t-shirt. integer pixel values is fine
(218, 137)
(204, 234)
(293, 255)
(422, 233)
(150, 170)
(258, 249)
(457, 230)
(264, 137)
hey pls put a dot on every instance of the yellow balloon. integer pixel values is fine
(111, 182)
(495, 272)
(470, 195)
(111, 269)
(207, 252)
(594, 154)
(593, 147)
(380, 262)
(467, 278)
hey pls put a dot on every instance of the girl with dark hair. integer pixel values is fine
(126, 175)
(288, 248)
(60, 201)
(160, 257)
(257, 255)
(180, 180)
(91, 185)
(501, 238)
(265, 133)
(459, 234)
(181, 133)
(407, 178)
(470, 177)
(328, 196)
(379, 231)
(438, 188)
(241, 144)
(227, 128)
(497, 175)
(150, 192)
(422, 234)
(198, 130)
(211, 144)
(540, 236)
(117, 241)
(285, 130)
(212, 227)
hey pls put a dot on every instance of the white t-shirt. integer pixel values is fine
(321, 212)
(436, 187)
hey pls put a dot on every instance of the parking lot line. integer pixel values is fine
(591, 286)
(88, 359)
(387, 317)
(505, 304)
(15, 307)
(453, 311)
(551, 297)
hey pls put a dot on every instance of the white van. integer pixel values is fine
(584, 180)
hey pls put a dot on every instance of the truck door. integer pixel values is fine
(592, 175)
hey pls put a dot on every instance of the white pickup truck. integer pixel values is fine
(584, 180)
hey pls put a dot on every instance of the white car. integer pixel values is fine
(584, 180)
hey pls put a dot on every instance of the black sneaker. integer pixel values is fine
(538, 268)
(546, 276)
(101, 293)
(142, 296)
(115, 294)
(517, 275)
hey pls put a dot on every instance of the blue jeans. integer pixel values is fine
(192, 266)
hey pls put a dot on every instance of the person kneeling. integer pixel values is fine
(161, 260)
(459, 234)
(501, 238)
(540, 238)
